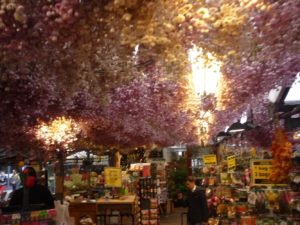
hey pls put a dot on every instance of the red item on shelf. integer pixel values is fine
(248, 220)
(146, 171)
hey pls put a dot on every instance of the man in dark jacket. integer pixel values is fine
(197, 203)
(36, 194)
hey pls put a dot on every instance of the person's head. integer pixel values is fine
(14, 171)
(190, 182)
(2, 173)
(30, 178)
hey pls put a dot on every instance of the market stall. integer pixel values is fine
(114, 202)
(249, 186)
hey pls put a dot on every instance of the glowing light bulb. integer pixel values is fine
(60, 131)
(206, 71)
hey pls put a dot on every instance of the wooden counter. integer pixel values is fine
(81, 209)
(126, 207)
(122, 201)
(103, 209)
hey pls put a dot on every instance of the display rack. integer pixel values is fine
(234, 198)
(148, 201)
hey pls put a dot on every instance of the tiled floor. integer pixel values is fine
(174, 218)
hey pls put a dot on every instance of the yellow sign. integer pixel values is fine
(113, 177)
(210, 160)
(261, 171)
(231, 163)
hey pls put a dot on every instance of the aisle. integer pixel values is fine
(174, 218)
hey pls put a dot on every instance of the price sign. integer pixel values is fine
(261, 171)
(113, 177)
(210, 160)
(231, 163)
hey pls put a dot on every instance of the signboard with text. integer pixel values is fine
(261, 171)
(113, 177)
(231, 163)
(210, 160)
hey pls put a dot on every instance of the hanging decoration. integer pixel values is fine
(282, 152)
(73, 58)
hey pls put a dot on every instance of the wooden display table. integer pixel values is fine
(103, 210)
(126, 208)
(82, 209)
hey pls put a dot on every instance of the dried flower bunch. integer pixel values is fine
(122, 66)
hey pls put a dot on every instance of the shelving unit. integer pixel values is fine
(148, 201)
(238, 201)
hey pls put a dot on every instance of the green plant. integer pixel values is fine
(177, 178)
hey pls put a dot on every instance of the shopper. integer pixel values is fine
(3, 181)
(197, 203)
(37, 194)
(15, 180)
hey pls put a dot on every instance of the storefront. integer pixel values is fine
(128, 193)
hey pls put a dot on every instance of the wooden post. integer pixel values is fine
(89, 173)
(189, 160)
(59, 177)
(118, 159)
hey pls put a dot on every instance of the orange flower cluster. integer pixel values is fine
(282, 151)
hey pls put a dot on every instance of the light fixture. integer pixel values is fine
(274, 94)
(236, 128)
(206, 71)
(293, 95)
(244, 118)
(226, 129)
(62, 131)
(221, 136)
(296, 135)
(239, 127)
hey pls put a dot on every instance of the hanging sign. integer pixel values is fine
(113, 177)
(231, 163)
(210, 160)
(261, 171)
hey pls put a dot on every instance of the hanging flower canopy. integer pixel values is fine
(123, 66)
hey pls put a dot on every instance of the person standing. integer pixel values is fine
(196, 202)
(3, 182)
(15, 180)
(37, 194)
